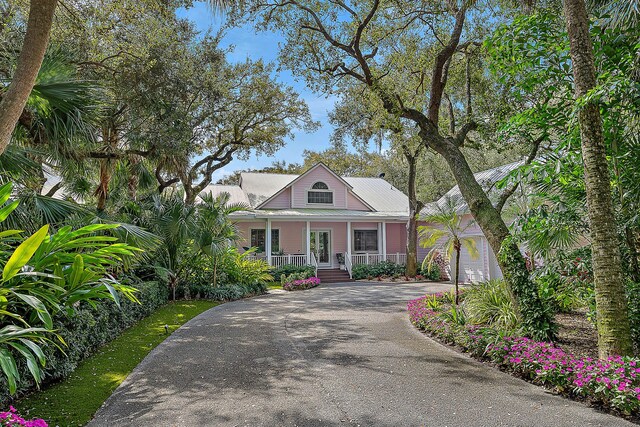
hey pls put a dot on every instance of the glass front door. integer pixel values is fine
(321, 246)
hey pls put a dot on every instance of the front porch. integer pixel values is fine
(325, 244)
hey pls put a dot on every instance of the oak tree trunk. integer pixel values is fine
(611, 305)
(536, 320)
(33, 48)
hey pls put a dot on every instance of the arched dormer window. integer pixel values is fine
(319, 186)
(320, 194)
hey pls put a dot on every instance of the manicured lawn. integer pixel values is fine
(274, 285)
(73, 401)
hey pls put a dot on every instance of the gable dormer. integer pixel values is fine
(320, 188)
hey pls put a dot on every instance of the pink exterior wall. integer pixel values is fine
(281, 201)
(354, 204)
(291, 236)
(245, 234)
(396, 238)
(300, 188)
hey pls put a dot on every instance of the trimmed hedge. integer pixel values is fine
(92, 327)
(385, 268)
(87, 330)
(288, 269)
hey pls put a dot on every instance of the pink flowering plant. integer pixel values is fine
(613, 383)
(301, 284)
(11, 418)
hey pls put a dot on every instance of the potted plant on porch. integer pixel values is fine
(340, 257)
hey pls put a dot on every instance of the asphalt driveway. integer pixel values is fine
(335, 355)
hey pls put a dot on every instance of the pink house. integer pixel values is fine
(331, 222)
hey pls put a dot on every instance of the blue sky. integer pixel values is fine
(250, 44)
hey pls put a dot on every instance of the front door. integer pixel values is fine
(321, 247)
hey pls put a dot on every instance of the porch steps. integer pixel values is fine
(333, 275)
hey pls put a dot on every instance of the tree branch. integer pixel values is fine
(437, 82)
(508, 192)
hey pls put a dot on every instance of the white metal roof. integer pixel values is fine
(235, 192)
(256, 187)
(487, 179)
(381, 195)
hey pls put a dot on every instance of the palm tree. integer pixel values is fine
(446, 231)
(216, 233)
(614, 336)
(34, 46)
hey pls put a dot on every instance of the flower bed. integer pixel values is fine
(302, 284)
(10, 418)
(613, 383)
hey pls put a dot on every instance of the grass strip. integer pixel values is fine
(74, 401)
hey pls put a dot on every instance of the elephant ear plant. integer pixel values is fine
(47, 273)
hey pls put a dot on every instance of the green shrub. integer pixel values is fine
(633, 296)
(431, 273)
(288, 269)
(561, 294)
(491, 303)
(89, 328)
(385, 268)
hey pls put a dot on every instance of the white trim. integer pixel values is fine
(377, 230)
(290, 185)
(322, 190)
(383, 226)
(308, 242)
(349, 238)
(267, 240)
(265, 236)
(324, 217)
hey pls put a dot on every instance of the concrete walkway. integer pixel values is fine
(331, 356)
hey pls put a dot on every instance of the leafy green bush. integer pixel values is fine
(491, 303)
(288, 269)
(633, 298)
(385, 268)
(431, 272)
(233, 276)
(89, 328)
(46, 274)
(563, 295)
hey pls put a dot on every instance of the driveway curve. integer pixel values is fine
(335, 355)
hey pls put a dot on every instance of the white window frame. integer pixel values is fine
(314, 190)
(371, 251)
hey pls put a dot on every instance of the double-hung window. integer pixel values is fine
(320, 194)
(258, 239)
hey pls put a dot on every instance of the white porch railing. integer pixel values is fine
(314, 262)
(348, 265)
(369, 259)
(288, 259)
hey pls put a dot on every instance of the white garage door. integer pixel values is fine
(472, 269)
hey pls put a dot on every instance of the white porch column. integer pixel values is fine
(379, 239)
(308, 242)
(267, 241)
(384, 241)
(349, 237)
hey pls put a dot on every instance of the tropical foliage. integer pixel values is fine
(44, 274)
(444, 232)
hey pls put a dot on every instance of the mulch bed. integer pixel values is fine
(577, 335)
